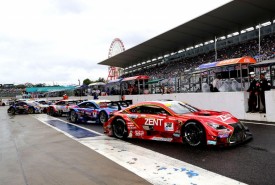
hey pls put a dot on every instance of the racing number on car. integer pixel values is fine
(94, 113)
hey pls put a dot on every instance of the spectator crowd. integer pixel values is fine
(178, 65)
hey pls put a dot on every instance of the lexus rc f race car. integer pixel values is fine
(61, 107)
(175, 121)
(22, 107)
(95, 110)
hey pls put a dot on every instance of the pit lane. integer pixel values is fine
(252, 162)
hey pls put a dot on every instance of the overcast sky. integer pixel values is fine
(61, 41)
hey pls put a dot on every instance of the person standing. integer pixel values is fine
(217, 83)
(253, 93)
(264, 86)
(65, 97)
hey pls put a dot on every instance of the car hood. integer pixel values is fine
(221, 117)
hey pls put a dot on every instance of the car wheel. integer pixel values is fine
(103, 117)
(12, 111)
(73, 117)
(45, 110)
(119, 129)
(31, 110)
(51, 112)
(194, 134)
(3, 104)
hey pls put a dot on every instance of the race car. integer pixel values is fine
(2, 102)
(95, 110)
(175, 121)
(22, 107)
(61, 107)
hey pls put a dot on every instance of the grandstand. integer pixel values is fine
(10, 90)
(242, 28)
(179, 63)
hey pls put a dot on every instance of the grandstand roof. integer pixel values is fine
(227, 19)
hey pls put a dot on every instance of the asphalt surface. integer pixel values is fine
(25, 142)
(252, 162)
(32, 153)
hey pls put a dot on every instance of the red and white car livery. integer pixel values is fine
(175, 121)
(61, 107)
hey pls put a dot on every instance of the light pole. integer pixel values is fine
(80, 90)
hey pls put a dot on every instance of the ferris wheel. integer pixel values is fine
(115, 48)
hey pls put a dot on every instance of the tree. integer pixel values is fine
(87, 81)
(101, 79)
(40, 85)
(21, 86)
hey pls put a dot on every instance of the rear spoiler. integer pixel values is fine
(120, 104)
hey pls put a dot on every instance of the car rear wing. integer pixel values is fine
(119, 104)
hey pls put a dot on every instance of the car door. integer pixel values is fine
(60, 105)
(154, 119)
(22, 106)
(90, 110)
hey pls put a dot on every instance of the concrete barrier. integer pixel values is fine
(233, 102)
(270, 105)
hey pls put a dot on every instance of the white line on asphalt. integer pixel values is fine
(154, 167)
(257, 123)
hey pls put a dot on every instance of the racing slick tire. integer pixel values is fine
(12, 111)
(119, 129)
(73, 117)
(103, 117)
(51, 112)
(194, 134)
(44, 110)
(31, 110)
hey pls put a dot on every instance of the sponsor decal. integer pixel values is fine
(94, 113)
(161, 139)
(210, 142)
(131, 127)
(132, 116)
(139, 133)
(168, 127)
(153, 122)
(176, 134)
(223, 134)
(224, 117)
(130, 134)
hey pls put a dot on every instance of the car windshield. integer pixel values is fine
(115, 105)
(32, 103)
(71, 102)
(181, 108)
(43, 102)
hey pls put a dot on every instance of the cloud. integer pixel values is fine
(64, 40)
(69, 6)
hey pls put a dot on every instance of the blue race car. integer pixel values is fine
(24, 107)
(95, 110)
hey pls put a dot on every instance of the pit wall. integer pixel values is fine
(234, 102)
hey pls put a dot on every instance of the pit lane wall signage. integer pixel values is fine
(233, 102)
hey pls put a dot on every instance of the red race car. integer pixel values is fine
(175, 121)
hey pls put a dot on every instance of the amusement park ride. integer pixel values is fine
(115, 48)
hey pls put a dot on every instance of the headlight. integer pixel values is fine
(216, 126)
